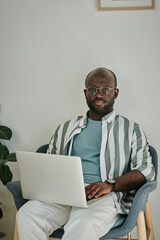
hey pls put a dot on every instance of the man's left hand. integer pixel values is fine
(98, 189)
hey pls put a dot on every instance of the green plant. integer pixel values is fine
(5, 156)
(1, 213)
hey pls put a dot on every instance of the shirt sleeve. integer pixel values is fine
(140, 155)
(53, 148)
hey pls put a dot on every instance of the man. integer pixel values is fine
(115, 162)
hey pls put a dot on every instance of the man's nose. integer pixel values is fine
(99, 92)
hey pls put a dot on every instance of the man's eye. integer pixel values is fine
(92, 89)
(105, 89)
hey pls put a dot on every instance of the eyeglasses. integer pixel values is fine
(103, 90)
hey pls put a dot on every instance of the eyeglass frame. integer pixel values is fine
(109, 88)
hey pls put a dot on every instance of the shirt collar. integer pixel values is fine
(108, 118)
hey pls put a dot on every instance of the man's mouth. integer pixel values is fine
(98, 102)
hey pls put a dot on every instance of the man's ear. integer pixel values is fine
(116, 92)
(85, 92)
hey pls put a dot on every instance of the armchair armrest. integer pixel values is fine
(138, 204)
(15, 189)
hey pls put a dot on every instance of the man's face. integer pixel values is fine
(101, 103)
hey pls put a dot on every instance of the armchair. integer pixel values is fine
(140, 213)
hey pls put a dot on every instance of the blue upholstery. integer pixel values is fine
(125, 224)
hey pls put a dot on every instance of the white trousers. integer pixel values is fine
(37, 220)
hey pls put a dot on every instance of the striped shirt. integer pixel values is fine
(124, 147)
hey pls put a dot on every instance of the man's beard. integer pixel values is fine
(108, 107)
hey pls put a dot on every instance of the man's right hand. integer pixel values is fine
(98, 189)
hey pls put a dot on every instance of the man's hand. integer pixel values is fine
(132, 180)
(98, 189)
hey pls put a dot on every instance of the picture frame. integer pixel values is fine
(110, 5)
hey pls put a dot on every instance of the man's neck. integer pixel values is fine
(96, 117)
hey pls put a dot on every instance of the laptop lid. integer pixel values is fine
(52, 178)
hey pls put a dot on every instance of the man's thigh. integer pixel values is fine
(54, 214)
(98, 206)
(100, 215)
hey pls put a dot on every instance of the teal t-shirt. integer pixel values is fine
(87, 146)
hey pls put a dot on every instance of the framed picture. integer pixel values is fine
(106, 5)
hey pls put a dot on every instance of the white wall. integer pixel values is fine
(47, 47)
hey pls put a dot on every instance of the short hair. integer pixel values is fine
(102, 69)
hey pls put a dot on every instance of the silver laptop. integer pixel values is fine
(52, 178)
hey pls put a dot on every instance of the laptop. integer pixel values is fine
(52, 178)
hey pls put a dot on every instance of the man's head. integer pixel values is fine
(101, 91)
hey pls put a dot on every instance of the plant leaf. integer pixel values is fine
(1, 213)
(11, 157)
(5, 174)
(3, 152)
(5, 133)
(2, 162)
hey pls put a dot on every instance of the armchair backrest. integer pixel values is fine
(43, 148)
(154, 159)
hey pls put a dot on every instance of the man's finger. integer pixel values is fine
(92, 193)
(90, 188)
(100, 193)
